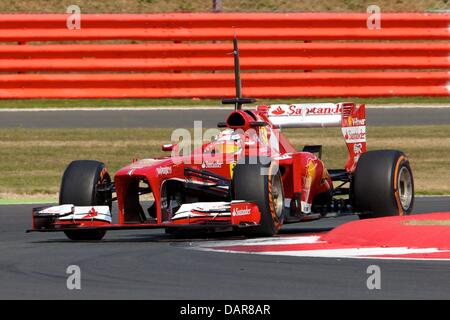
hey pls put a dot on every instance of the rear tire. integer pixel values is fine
(266, 190)
(79, 187)
(383, 184)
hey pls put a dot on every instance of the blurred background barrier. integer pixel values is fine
(184, 55)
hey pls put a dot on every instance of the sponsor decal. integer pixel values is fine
(241, 212)
(305, 110)
(354, 134)
(91, 214)
(212, 164)
(278, 111)
(100, 213)
(162, 171)
(306, 207)
(310, 173)
(357, 148)
(296, 110)
(263, 135)
(354, 122)
(308, 180)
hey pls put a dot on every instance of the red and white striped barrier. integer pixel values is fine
(183, 55)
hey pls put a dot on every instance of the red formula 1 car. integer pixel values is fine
(248, 178)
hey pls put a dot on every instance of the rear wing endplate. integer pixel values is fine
(351, 117)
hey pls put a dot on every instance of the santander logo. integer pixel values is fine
(278, 111)
(306, 109)
(241, 212)
(312, 110)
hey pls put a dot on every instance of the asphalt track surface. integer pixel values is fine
(184, 118)
(146, 264)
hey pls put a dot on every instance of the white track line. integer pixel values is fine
(178, 108)
(354, 252)
(433, 196)
(377, 253)
(264, 241)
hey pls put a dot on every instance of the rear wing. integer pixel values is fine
(351, 117)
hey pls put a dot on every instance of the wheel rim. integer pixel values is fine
(405, 188)
(277, 196)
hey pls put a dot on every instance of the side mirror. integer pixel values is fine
(167, 147)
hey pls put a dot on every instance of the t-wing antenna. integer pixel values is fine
(238, 101)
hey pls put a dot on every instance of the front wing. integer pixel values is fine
(200, 215)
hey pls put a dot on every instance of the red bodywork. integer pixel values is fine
(207, 174)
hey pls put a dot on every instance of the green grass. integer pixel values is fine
(87, 103)
(428, 223)
(30, 200)
(33, 160)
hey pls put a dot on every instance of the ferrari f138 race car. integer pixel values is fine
(248, 178)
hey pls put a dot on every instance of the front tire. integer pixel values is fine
(262, 184)
(79, 186)
(383, 184)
